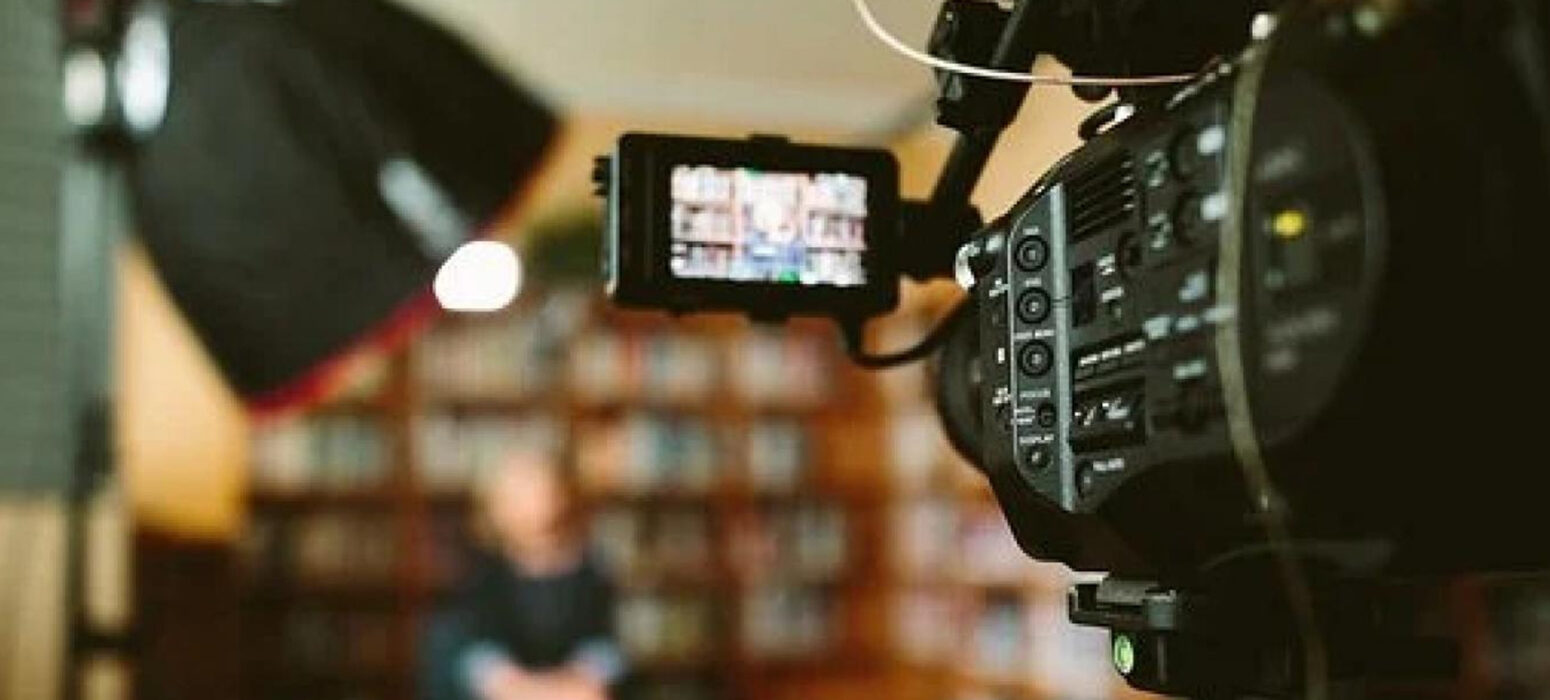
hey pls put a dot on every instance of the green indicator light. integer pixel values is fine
(1124, 654)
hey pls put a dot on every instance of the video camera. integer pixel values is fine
(1262, 341)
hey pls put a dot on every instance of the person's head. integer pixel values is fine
(530, 504)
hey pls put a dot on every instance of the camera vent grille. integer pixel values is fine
(1102, 195)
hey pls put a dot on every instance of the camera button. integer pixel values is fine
(1086, 479)
(1187, 159)
(1187, 218)
(1157, 170)
(1035, 359)
(1159, 230)
(1031, 254)
(1033, 306)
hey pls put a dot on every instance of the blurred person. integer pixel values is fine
(534, 619)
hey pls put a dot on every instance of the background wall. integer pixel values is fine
(183, 435)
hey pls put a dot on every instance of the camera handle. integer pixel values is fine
(978, 109)
(932, 231)
(978, 33)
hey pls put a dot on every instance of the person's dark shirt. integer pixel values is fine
(538, 622)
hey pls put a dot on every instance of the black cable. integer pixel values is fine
(854, 336)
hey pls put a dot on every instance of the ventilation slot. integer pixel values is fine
(1102, 195)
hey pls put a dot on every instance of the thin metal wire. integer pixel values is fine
(893, 42)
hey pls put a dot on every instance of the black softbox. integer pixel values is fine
(317, 162)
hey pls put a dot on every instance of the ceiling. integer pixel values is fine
(777, 64)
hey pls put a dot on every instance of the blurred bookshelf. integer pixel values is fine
(779, 523)
(719, 462)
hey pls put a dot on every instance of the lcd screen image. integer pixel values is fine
(745, 225)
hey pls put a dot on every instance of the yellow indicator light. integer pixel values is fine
(1289, 224)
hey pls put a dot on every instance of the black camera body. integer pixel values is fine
(1264, 349)
(1295, 289)
(762, 226)
(1289, 294)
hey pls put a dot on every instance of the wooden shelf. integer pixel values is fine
(491, 404)
(949, 581)
(365, 498)
(554, 403)
(720, 495)
(675, 583)
(349, 594)
(695, 665)
(356, 406)
(664, 497)
(1011, 587)
(281, 678)
(1025, 688)
(821, 662)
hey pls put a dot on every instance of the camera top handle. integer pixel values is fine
(979, 110)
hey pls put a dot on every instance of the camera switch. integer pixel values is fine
(1037, 457)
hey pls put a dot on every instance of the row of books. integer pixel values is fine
(309, 640)
(776, 623)
(787, 543)
(645, 453)
(453, 452)
(515, 357)
(971, 540)
(779, 455)
(772, 367)
(529, 356)
(793, 543)
(926, 623)
(920, 458)
(1004, 640)
(759, 367)
(647, 545)
(638, 452)
(680, 689)
(924, 538)
(321, 452)
(789, 621)
(319, 550)
(666, 627)
(609, 365)
(518, 360)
